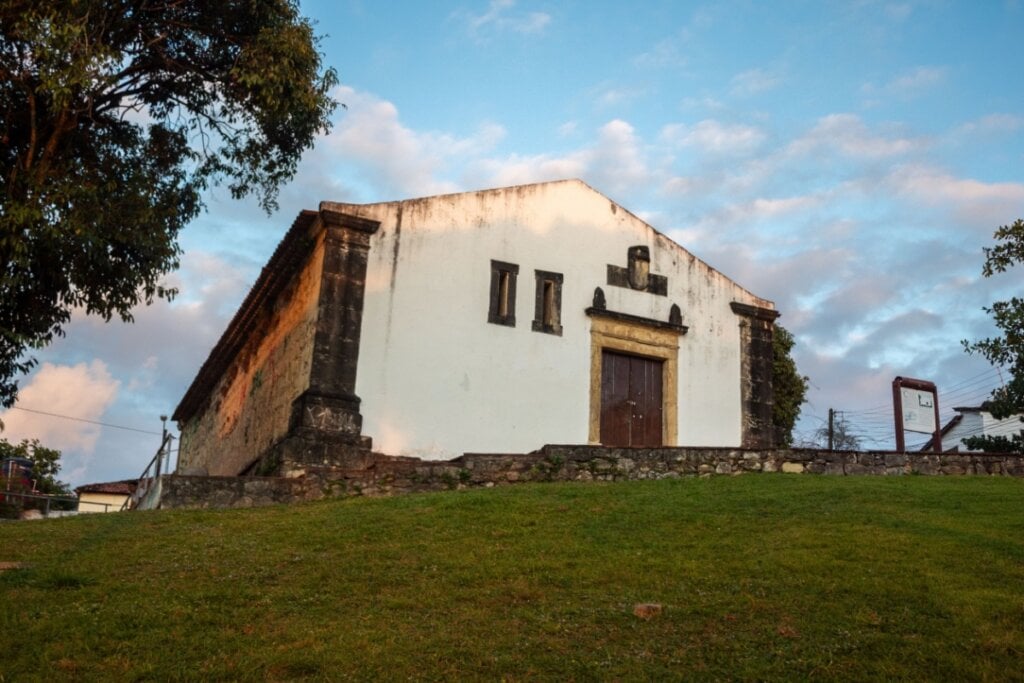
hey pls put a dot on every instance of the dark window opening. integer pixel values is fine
(503, 285)
(547, 316)
(549, 304)
(502, 309)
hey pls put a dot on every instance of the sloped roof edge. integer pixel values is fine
(272, 279)
(124, 487)
(350, 206)
(953, 422)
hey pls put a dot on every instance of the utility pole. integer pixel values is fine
(831, 428)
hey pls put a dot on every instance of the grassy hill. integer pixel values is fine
(760, 577)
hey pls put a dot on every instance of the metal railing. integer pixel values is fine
(159, 464)
(49, 500)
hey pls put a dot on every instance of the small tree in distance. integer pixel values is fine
(45, 464)
(788, 385)
(1007, 349)
(45, 467)
(843, 436)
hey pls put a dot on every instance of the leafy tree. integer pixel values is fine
(789, 386)
(1006, 350)
(45, 464)
(114, 116)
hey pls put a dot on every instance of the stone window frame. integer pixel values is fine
(502, 310)
(547, 310)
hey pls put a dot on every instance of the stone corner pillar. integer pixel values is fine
(329, 408)
(756, 330)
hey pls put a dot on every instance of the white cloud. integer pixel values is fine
(994, 123)
(917, 79)
(615, 95)
(567, 129)
(973, 202)
(899, 11)
(82, 391)
(750, 214)
(714, 137)
(615, 163)
(753, 82)
(910, 83)
(664, 54)
(497, 17)
(847, 133)
(706, 103)
(520, 170)
(400, 161)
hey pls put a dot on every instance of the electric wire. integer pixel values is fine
(82, 419)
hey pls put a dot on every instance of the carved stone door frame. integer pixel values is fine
(636, 338)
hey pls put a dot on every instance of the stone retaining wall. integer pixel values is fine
(374, 474)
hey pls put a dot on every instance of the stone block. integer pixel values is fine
(895, 459)
(792, 467)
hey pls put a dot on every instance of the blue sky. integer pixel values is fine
(848, 160)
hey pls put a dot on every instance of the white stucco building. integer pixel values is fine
(491, 321)
(970, 421)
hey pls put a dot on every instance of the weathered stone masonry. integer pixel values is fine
(756, 331)
(281, 383)
(329, 407)
(241, 401)
(376, 475)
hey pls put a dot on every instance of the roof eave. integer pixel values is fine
(294, 246)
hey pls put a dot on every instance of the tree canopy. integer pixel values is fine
(788, 385)
(1007, 349)
(115, 115)
(45, 464)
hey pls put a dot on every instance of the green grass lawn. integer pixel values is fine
(775, 577)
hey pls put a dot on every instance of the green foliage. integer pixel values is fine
(1007, 349)
(45, 461)
(114, 116)
(761, 578)
(788, 385)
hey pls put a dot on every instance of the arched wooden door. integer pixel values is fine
(631, 400)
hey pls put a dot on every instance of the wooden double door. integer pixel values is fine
(631, 400)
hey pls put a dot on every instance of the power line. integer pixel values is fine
(967, 388)
(82, 419)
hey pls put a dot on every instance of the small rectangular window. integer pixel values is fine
(547, 315)
(503, 293)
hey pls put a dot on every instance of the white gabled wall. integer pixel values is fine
(436, 379)
(976, 422)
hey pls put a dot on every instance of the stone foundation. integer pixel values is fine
(316, 474)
